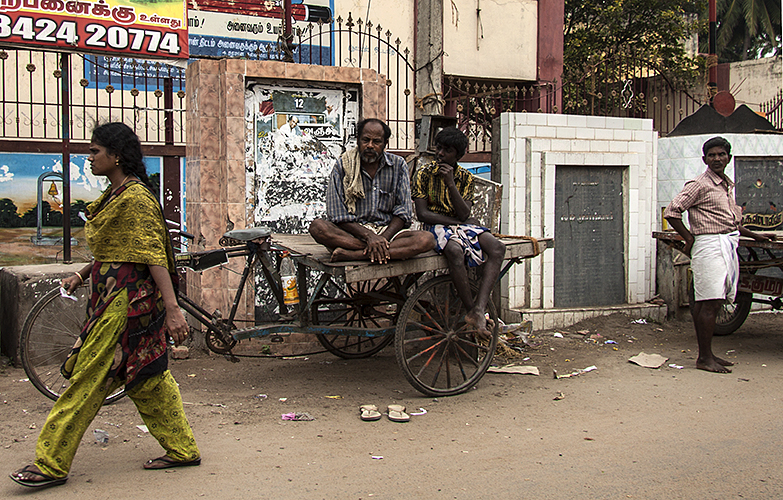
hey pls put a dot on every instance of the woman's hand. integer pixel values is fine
(176, 325)
(71, 283)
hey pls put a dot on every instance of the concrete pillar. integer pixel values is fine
(429, 57)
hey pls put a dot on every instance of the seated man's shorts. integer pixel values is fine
(466, 235)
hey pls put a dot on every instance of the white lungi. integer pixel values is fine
(715, 266)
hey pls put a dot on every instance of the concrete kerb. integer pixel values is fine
(20, 289)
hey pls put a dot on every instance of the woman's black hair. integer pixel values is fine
(120, 140)
(386, 129)
(453, 137)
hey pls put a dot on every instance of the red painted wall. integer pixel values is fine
(550, 44)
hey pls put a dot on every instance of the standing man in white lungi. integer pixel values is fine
(711, 243)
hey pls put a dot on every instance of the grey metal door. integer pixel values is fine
(589, 255)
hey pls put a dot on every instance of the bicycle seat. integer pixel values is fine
(249, 234)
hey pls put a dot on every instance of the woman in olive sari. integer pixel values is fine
(132, 308)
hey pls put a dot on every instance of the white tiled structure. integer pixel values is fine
(532, 147)
(679, 160)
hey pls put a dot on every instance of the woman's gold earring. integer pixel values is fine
(117, 161)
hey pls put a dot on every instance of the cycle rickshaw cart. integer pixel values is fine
(755, 259)
(355, 310)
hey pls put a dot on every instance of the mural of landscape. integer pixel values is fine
(19, 173)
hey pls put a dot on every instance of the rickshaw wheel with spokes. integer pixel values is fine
(367, 304)
(48, 335)
(439, 353)
(732, 315)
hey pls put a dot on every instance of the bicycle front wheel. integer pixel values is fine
(48, 335)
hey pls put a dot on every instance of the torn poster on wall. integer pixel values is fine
(298, 134)
(295, 135)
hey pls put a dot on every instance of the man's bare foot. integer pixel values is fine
(343, 255)
(338, 255)
(477, 320)
(712, 365)
(723, 361)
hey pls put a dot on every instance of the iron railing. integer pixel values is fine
(773, 110)
(146, 94)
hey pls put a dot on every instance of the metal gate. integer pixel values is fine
(363, 44)
(149, 96)
(589, 235)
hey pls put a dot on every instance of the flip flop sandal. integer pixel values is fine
(397, 413)
(44, 483)
(370, 413)
(166, 462)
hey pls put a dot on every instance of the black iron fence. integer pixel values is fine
(148, 95)
(773, 110)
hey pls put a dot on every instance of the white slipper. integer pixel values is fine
(370, 413)
(397, 414)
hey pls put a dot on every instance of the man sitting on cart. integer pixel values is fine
(711, 243)
(443, 196)
(368, 203)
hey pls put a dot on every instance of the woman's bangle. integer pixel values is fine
(81, 279)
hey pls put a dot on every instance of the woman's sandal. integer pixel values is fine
(370, 413)
(397, 414)
(45, 481)
(166, 462)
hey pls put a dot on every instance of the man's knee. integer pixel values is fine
(494, 248)
(425, 241)
(318, 229)
(453, 251)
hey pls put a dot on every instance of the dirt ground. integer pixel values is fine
(620, 431)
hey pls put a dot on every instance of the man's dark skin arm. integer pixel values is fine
(461, 207)
(689, 238)
(678, 226)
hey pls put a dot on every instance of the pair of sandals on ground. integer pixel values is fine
(396, 413)
(31, 475)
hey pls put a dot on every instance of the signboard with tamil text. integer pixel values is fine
(216, 29)
(144, 29)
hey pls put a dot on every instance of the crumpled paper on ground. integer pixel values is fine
(575, 373)
(512, 368)
(648, 360)
(297, 416)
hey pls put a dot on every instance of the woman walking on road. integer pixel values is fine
(132, 308)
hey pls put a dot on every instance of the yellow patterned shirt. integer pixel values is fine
(428, 184)
(128, 227)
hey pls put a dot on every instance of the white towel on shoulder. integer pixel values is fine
(352, 180)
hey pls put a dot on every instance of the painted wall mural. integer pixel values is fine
(19, 174)
(22, 240)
